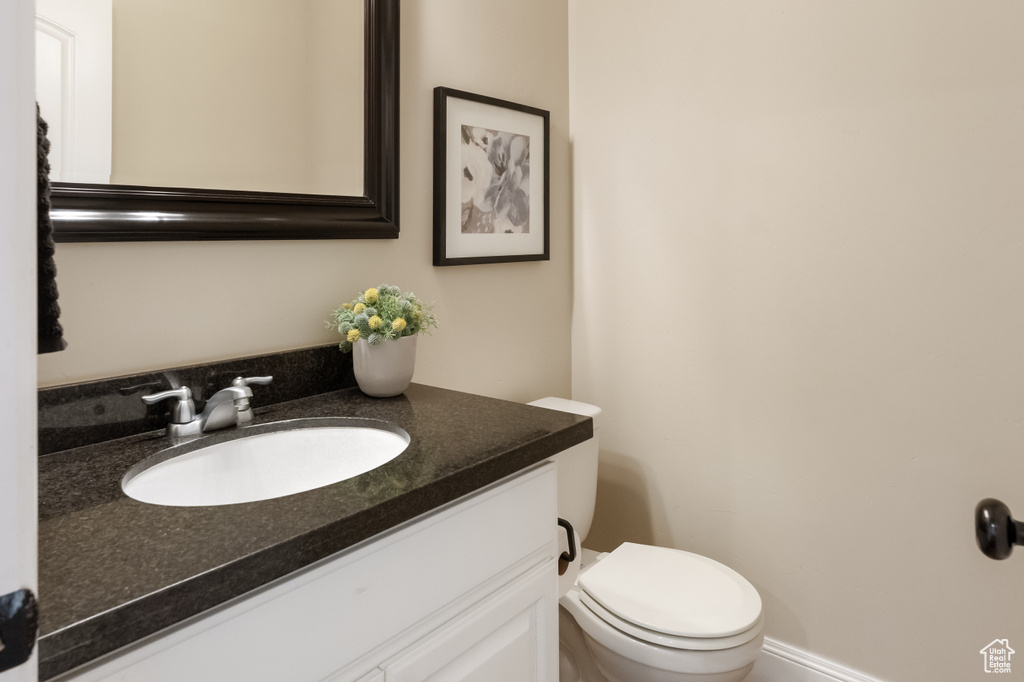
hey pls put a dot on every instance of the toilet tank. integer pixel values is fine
(577, 468)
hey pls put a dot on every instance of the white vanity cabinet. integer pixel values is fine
(467, 592)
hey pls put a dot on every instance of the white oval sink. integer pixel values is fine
(310, 454)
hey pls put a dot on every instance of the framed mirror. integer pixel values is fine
(83, 212)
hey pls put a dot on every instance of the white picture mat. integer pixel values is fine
(462, 112)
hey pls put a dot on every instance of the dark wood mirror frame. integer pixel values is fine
(118, 213)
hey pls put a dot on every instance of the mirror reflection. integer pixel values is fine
(263, 95)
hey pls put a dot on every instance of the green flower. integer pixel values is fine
(380, 314)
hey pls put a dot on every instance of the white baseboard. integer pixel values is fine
(780, 662)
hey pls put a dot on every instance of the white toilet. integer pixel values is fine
(642, 613)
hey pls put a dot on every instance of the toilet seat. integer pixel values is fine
(612, 648)
(670, 641)
(672, 598)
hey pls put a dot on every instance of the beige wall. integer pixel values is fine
(504, 329)
(237, 94)
(799, 248)
(335, 94)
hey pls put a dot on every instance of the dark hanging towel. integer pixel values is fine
(51, 334)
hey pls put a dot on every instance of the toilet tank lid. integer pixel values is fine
(570, 406)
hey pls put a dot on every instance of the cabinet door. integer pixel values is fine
(375, 676)
(511, 636)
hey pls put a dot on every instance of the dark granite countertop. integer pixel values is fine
(113, 570)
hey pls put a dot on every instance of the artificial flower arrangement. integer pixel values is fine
(381, 314)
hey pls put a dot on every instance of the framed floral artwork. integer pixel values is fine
(491, 180)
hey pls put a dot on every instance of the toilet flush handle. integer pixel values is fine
(995, 529)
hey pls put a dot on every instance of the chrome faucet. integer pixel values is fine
(226, 407)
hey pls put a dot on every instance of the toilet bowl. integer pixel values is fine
(660, 615)
(642, 613)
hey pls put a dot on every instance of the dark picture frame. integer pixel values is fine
(128, 213)
(491, 192)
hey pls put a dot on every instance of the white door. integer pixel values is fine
(17, 314)
(74, 76)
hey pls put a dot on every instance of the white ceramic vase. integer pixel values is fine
(386, 369)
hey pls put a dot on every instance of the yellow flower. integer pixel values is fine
(398, 325)
(371, 296)
(346, 306)
(353, 335)
(360, 307)
(375, 322)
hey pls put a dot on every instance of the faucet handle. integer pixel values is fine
(244, 408)
(183, 410)
(248, 381)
